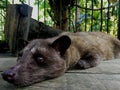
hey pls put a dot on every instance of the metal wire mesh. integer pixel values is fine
(85, 21)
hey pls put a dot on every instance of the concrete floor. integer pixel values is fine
(105, 76)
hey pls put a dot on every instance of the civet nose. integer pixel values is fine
(9, 75)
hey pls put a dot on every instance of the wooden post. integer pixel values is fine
(20, 25)
(17, 24)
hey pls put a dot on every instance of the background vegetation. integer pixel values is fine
(96, 16)
(2, 18)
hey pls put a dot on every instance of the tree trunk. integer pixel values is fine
(60, 10)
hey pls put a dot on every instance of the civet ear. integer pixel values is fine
(61, 44)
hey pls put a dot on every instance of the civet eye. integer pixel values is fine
(39, 59)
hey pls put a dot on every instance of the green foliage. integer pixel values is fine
(109, 17)
(3, 4)
(2, 37)
(45, 13)
(88, 20)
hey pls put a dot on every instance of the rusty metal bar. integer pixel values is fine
(76, 17)
(108, 16)
(38, 9)
(45, 11)
(92, 16)
(12, 1)
(101, 12)
(60, 14)
(118, 32)
(6, 2)
(69, 13)
(86, 15)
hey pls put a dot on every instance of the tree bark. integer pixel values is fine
(60, 10)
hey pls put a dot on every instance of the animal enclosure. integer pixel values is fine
(72, 15)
